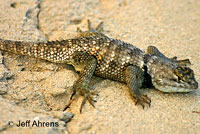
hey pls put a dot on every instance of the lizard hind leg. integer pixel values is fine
(99, 27)
(91, 30)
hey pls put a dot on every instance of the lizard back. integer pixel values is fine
(112, 55)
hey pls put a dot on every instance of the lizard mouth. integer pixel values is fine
(173, 86)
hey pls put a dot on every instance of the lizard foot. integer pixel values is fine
(142, 100)
(99, 28)
(87, 96)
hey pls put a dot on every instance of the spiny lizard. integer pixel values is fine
(93, 53)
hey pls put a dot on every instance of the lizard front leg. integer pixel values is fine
(134, 79)
(86, 64)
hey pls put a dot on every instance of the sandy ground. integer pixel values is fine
(34, 89)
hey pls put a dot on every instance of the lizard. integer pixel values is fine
(94, 53)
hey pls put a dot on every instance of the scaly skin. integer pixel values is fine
(93, 53)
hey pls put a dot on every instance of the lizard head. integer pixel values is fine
(170, 76)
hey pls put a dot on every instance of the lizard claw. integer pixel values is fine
(87, 96)
(142, 100)
(72, 97)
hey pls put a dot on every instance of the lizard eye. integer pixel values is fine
(179, 68)
(179, 72)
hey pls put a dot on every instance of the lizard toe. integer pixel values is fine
(142, 100)
(88, 95)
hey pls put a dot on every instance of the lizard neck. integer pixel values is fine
(147, 77)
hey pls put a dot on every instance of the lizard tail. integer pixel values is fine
(16, 47)
(53, 51)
